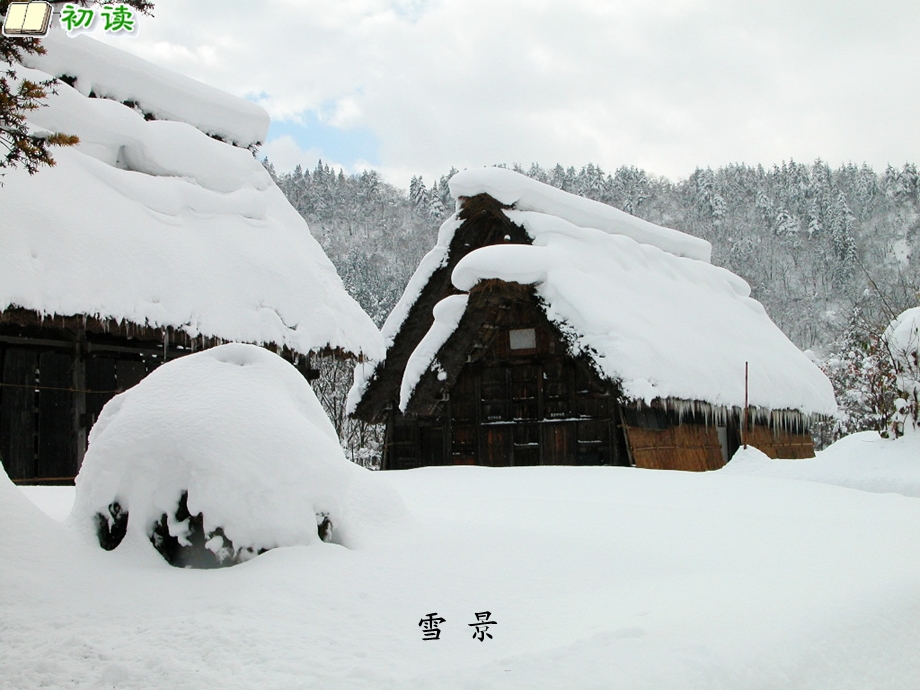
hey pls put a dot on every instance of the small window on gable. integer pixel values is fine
(523, 339)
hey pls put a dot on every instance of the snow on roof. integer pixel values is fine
(447, 315)
(526, 194)
(523, 193)
(111, 73)
(156, 223)
(663, 326)
(643, 302)
(431, 262)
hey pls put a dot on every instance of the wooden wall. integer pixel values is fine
(514, 398)
(513, 406)
(50, 396)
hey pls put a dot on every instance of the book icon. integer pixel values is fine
(27, 18)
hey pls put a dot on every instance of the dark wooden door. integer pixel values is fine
(57, 454)
(496, 445)
(559, 443)
(100, 385)
(18, 411)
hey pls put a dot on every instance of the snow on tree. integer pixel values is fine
(436, 207)
(860, 369)
(418, 194)
(19, 145)
(220, 455)
(902, 338)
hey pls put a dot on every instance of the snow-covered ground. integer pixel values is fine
(596, 577)
(860, 461)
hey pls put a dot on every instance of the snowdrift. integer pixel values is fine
(239, 431)
(863, 461)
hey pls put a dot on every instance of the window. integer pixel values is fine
(523, 339)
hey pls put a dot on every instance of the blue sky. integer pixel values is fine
(347, 147)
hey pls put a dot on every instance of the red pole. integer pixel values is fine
(745, 422)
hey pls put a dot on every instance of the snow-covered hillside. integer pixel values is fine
(153, 221)
(595, 577)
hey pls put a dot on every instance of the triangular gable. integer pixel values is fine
(483, 223)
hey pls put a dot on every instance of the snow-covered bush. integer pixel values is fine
(220, 455)
(902, 338)
(860, 369)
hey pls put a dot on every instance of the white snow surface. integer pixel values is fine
(240, 430)
(156, 223)
(108, 72)
(596, 577)
(526, 194)
(863, 461)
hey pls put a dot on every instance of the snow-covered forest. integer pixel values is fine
(833, 254)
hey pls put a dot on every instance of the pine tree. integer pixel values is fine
(418, 194)
(558, 177)
(436, 208)
(842, 222)
(786, 224)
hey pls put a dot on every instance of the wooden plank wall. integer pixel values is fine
(100, 376)
(18, 401)
(56, 432)
(49, 399)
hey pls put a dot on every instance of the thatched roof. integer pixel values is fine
(157, 224)
(661, 327)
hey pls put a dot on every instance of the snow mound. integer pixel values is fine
(155, 223)
(238, 430)
(107, 72)
(25, 528)
(526, 194)
(864, 461)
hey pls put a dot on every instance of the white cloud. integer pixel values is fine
(285, 154)
(666, 86)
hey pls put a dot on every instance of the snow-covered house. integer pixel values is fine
(158, 235)
(544, 328)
